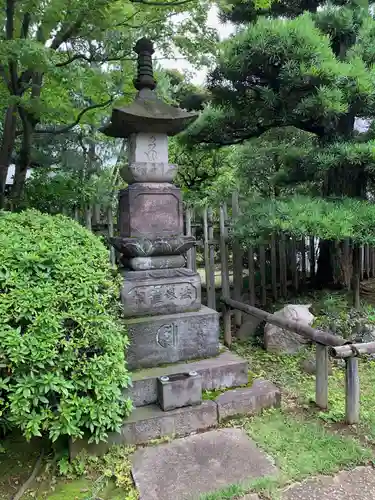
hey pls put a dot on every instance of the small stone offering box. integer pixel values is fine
(179, 389)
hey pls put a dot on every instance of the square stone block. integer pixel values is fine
(179, 390)
(219, 372)
(148, 148)
(172, 337)
(248, 401)
(160, 291)
(151, 210)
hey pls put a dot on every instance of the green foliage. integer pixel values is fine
(206, 176)
(114, 466)
(62, 346)
(304, 68)
(301, 216)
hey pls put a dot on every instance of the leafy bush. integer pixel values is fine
(62, 347)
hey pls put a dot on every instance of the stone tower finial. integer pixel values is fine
(145, 74)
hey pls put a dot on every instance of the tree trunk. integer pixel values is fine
(22, 164)
(333, 265)
(6, 149)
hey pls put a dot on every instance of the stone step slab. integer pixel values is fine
(357, 484)
(223, 371)
(189, 467)
(248, 401)
(151, 422)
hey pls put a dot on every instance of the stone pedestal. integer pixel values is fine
(161, 291)
(170, 338)
(150, 209)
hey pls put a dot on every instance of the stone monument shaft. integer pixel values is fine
(161, 298)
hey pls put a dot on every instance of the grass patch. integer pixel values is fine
(302, 447)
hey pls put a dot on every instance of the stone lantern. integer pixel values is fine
(161, 298)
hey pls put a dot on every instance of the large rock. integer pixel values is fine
(280, 341)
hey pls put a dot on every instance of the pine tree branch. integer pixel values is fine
(65, 129)
(162, 4)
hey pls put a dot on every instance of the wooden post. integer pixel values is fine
(263, 281)
(367, 260)
(283, 267)
(361, 262)
(96, 213)
(224, 254)
(274, 266)
(208, 265)
(88, 217)
(112, 252)
(251, 276)
(352, 390)
(321, 376)
(356, 276)
(312, 258)
(295, 277)
(211, 257)
(303, 259)
(227, 325)
(190, 254)
(237, 262)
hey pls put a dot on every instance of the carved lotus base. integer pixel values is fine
(149, 247)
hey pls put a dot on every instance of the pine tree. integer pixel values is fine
(308, 65)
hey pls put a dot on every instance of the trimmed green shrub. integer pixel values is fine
(62, 345)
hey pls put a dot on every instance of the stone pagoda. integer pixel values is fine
(174, 349)
(162, 297)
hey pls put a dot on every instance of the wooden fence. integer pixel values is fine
(262, 272)
(327, 345)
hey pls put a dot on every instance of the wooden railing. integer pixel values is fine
(327, 345)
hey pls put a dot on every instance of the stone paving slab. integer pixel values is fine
(358, 484)
(186, 468)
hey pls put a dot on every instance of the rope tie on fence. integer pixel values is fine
(354, 350)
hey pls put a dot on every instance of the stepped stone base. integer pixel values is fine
(150, 422)
(223, 371)
(171, 338)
